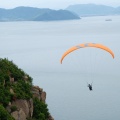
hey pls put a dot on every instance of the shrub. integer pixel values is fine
(13, 108)
(22, 90)
(4, 115)
(8, 68)
(40, 111)
(5, 95)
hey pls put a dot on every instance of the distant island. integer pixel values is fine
(35, 14)
(72, 12)
(93, 10)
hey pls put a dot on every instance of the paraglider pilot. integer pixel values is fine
(90, 87)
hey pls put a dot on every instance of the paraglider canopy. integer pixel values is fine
(85, 45)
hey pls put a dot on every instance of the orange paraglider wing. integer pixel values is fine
(96, 45)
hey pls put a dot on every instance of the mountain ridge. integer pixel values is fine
(35, 14)
(93, 9)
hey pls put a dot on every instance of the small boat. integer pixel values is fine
(108, 20)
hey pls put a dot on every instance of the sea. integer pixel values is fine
(37, 48)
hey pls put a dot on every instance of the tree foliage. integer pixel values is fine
(5, 95)
(9, 69)
(4, 115)
(22, 90)
(40, 111)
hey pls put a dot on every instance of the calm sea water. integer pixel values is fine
(36, 47)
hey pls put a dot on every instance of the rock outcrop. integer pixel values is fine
(19, 115)
(39, 93)
(25, 107)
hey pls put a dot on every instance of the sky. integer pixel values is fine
(54, 4)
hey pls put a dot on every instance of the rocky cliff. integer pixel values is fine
(19, 99)
(25, 107)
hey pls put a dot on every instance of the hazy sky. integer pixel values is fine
(54, 4)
